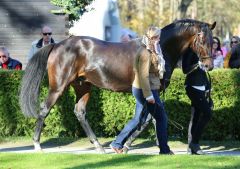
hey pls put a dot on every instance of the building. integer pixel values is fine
(21, 22)
(102, 21)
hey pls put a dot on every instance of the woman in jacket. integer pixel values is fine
(149, 68)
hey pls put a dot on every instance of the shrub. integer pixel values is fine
(108, 111)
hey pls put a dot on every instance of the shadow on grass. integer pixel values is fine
(225, 145)
(20, 148)
(208, 146)
(149, 161)
(114, 161)
(49, 143)
(61, 141)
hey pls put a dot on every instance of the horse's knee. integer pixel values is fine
(80, 112)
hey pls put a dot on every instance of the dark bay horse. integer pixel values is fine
(103, 64)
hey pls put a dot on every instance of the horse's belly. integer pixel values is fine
(111, 81)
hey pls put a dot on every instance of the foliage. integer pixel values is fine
(74, 8)
(138, 14)
(222, 13)
(108, 111)
(183, 7)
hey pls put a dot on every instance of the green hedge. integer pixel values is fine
(108, 111)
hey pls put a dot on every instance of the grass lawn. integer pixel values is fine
(115, 161)
(110, 161)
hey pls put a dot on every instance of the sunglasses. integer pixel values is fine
(48, 33)
(3, 56)
(234, 42)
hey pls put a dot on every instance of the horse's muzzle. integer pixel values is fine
(208, 67)
(208, 63)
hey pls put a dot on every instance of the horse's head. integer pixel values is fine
(202, 44)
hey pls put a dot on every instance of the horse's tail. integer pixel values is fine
(30, 85)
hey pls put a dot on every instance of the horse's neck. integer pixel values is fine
(174, 47)
(138, 41)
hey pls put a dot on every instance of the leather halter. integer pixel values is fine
(198, 43)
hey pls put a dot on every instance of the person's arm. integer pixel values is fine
(222, 61)
(18, 67)
(143, 72)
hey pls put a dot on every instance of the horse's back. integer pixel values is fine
(104, 64)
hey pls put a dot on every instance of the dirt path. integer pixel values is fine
(89, 149)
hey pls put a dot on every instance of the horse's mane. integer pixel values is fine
(183, 25)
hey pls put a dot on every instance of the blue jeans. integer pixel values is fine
(156, 110)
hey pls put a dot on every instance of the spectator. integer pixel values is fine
(217, 53)
(234, 61)
(125, 38)
(46, 39)
(225, 48)
(234, 40)
(127, 34)
(6, 62)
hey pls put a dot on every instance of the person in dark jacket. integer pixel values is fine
(46, 33)
(234, 61)
(6, 62)
(197, 84)
(234, 41)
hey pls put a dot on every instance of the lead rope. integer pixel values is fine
(194, 68)
(210, 82)
(210, 87)
(172, 122)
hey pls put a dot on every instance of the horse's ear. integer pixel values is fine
(212, 26)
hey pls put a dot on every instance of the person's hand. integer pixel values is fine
(152, 101)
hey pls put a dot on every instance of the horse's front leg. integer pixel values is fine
(80, 112)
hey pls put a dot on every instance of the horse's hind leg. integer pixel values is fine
(131, 139)
(44, 111)
(83, 94)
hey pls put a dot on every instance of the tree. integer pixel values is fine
(183, 7)
(139, 14)
(74, 8)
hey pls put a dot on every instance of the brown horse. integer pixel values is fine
(103, 64)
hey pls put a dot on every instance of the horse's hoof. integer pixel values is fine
(125, 149)
(100, 150)
(99, 147)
